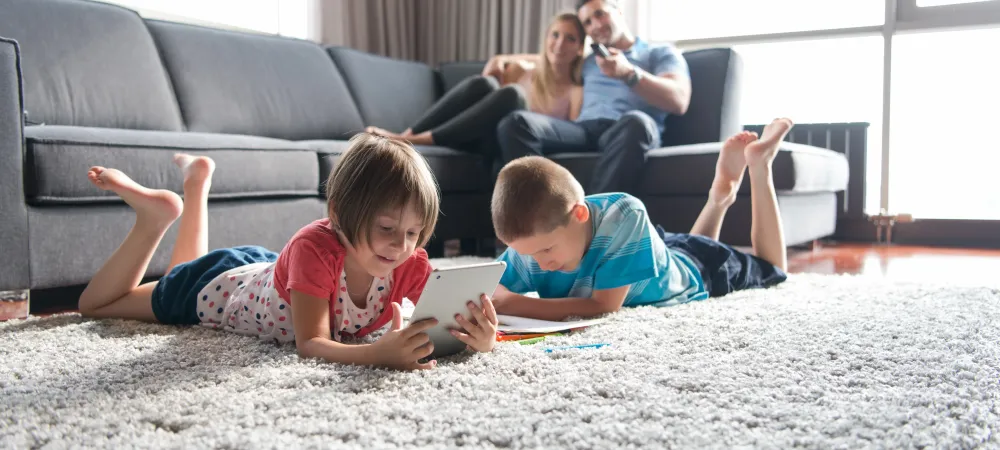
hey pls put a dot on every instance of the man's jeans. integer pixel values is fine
(622, 144)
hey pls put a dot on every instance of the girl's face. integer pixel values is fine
(563, 44)
(394, 237)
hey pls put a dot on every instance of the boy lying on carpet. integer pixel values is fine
(587, 256)
(342, 275)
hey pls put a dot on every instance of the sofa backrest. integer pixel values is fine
(452, 73)
(390, 93)
(713, 113)
(89, 64)
(263, 85)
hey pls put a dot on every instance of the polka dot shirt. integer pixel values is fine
(350, 317)
(243, 300)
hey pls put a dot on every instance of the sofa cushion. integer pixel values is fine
(58, 158)
(390, 93)
(242, 83)
(713, 115)
(455, 171)
(89, 64)
(689, 169)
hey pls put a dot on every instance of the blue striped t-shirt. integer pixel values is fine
(625, 250)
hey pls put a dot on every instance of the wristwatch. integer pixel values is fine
(633, 79)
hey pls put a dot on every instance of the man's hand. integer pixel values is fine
(481, 333)
(617, 66)
(402, 348)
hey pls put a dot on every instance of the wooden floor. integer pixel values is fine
(903, 263)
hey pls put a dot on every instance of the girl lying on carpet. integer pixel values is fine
(341, 275)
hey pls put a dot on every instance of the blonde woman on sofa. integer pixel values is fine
(549, 84)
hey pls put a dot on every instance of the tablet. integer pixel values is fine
(446, 293)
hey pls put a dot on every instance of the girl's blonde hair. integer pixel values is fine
(375, 174)
(543, 82)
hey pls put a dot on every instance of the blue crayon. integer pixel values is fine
(552, 349)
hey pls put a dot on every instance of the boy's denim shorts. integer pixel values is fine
(175, 297)
(724, 268)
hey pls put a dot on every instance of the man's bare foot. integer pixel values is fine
(197, 170)
(763, 152)
(729, 168)
(158, 207)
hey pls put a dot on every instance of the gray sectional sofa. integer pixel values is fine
(85, 83)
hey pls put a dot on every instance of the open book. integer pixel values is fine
(515, 324)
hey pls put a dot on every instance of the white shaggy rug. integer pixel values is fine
(817, 362)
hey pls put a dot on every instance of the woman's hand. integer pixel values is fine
(402, 348)
(514, 70)
(494, 67)
(481, 333)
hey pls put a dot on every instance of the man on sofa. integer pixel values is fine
(626, 98)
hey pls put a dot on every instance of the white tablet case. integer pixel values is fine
(446, 294)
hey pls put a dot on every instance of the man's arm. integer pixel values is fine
(669, 91)
(602, 302)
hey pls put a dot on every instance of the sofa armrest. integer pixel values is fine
(689, 169)
(14, 274)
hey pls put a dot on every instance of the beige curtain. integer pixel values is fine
(436, 31)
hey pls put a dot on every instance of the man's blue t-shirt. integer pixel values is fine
(608, 98)
(625, 250)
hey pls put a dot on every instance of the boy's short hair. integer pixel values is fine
(533, 195)
(376, 173)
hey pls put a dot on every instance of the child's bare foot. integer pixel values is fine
(198, 170)
(729, 168)
(158, 206)
(763, 152)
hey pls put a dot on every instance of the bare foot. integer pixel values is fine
(729, 168)
(197, 170)
(763, 152)
(157, 206)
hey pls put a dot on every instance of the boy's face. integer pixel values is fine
(561, 249)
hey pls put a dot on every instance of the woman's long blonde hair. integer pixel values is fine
(543, 81)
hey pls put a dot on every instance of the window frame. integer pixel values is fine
(901, 17)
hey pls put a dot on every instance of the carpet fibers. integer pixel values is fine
(817, 362)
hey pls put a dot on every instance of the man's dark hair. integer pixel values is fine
(580, 3)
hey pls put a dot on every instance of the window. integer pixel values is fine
(673, 20)
(944, 152)
(817, 81)
(284, 17)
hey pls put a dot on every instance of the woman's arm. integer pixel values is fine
(311, 320)
(496, 65)
(575, 102)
